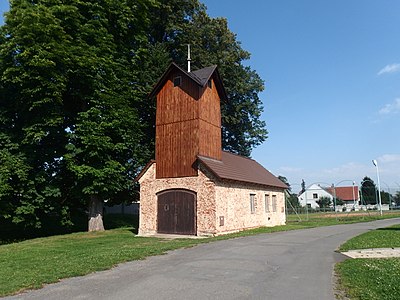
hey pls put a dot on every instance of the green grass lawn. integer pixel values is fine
(372, 279)
(381, 238)
(34, 262)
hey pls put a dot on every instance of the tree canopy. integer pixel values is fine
(368, 191)
(324, 202)
(76, 124)
(396, 198)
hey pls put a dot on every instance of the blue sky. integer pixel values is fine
(332, 85)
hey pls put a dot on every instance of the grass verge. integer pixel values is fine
(371, 279)
(32, 263)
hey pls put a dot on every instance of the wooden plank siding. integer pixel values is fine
(210, 143)
(176, 149)
(188, 123)
(176, 104)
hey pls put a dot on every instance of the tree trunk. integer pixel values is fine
(95, 214)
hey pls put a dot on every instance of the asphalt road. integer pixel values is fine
(286, 265)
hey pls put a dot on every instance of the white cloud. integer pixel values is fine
(290, 170)
(389, 158)
(393, 68)
(391, 108)
(352, 171)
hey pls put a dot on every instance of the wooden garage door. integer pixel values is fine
(177, 212)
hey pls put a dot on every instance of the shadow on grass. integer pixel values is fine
(11, 233)
(389, 229)
(113, 221)
(51, 225)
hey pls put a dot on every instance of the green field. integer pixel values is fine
(34, 262)
(371, 279)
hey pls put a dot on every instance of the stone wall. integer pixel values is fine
(222, 207)
(201, 185)
(233, 207)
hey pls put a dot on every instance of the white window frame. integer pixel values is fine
(267, 203)
(274, 204)
(253, 203)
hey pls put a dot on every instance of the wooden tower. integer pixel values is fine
(188, 120)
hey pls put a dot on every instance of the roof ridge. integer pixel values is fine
(209, 158)
(242, 156)
(240, 168)
(194, 76)
(204, 74)
(189, 74)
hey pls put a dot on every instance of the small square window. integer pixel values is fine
(315, 196)
(177, 81)
(209, 84)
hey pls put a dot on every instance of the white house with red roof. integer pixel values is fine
(348, 194)
(312, 194)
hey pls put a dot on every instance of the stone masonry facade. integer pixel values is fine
(233, 205)
(222, 207)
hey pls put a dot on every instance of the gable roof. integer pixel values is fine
(316, 188)
(200, 77)
(344, 193)
(239, 168)
(203, 75)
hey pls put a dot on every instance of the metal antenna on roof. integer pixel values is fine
(188, 59)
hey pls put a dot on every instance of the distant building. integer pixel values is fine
(348, 194)
(312, 194)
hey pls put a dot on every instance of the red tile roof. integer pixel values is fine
(239, 168)
(344, 193)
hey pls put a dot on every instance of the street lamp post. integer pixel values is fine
(375, 162)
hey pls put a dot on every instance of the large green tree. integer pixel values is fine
(76, 123)
(31, 59)
(69, 104)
